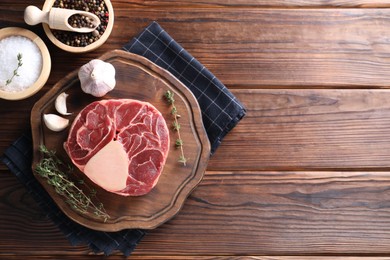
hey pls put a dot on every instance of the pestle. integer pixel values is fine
(57, 18)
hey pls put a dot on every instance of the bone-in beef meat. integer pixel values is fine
(109, 136)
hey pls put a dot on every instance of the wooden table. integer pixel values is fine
(305, 174)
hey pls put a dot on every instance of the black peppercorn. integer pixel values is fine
(96, 7)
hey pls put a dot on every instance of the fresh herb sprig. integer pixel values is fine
(169, 96)
(56, 173)
(20, 63)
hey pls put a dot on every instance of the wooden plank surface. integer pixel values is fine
(305, 174)
(261, 3)
(309, 129)
(270, 48)
(238, 213)
(230, 4)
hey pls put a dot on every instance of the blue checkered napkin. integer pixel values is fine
(221, 111)
(18, 158)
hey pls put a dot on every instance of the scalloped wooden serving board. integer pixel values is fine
(140, 79)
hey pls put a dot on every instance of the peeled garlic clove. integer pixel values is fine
(60, 104)
(55, 123)
(97, 77)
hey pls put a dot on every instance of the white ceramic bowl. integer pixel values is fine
(46, 63)
(46, 8)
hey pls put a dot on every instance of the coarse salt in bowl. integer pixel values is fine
(25, 63)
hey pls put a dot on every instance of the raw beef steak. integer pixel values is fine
(120, 144)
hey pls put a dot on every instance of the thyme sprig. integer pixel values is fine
(169, 96)
(56, 173)
(20, 63)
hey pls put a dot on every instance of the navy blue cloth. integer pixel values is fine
(18, 158)
(221, 111)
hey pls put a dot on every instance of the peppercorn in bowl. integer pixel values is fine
(81, 42)
(25, 63)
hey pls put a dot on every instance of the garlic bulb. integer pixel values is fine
(60, 104)
(55, 122)
(97, 77)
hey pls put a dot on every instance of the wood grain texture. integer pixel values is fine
(308, 129)
(241, 213)
(250, 47)
(304, 175)
(231, 4)
(291, 212)
(264, 3)
(294, 48)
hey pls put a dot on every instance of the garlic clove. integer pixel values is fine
(54, 122)
(97, 77)
(60, 104)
